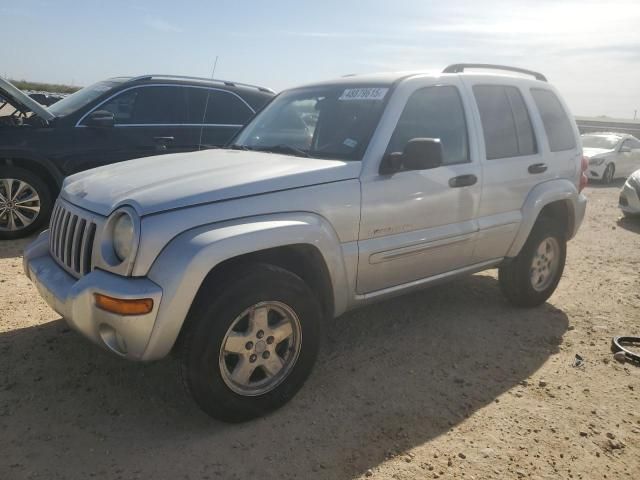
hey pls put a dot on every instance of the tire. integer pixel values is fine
(25, 183)
(208, 371)
(523, 286)
(608, 175)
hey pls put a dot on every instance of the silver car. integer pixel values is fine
(629, 201)
(235, 257)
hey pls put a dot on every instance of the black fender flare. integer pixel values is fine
(15, 155)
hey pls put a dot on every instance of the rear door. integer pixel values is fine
(516, 157)
(628, 158)
(219, 114)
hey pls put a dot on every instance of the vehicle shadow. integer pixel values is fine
(390, 377)
(630, 223)
(617, 183)
(14, 248)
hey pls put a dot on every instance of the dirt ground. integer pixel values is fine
(448, 383)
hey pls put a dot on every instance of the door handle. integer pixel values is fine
(163, 139)
(463, 181)
(537, 168)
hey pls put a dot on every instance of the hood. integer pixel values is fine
(592, 152)
(18, 98)
(159, 183)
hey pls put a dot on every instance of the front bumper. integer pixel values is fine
(73, 299)
(629, 201)
(595, 172)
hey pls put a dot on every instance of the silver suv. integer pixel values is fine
(336, 195)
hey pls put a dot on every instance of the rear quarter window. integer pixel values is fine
(556, 122)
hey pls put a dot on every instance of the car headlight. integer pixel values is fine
(119, 243)
(123, 236)
(596, 161)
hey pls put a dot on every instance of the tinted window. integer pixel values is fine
(159, 105)
(505, 121)
(122, 106)
(555, 120)
(631, 143)
(223, 108)
(434, 112)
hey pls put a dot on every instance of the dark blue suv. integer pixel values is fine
(111, 121)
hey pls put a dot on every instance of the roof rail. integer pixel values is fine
(201, 79)
(460, 67)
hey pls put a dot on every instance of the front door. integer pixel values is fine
(149, 120)
(416, 224)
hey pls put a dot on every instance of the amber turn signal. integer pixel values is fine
(138, 306)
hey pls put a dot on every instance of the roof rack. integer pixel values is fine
(201, 79)
(460, 67)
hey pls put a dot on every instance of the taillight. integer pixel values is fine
(584, 165)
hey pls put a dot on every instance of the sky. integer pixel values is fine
(590, 50)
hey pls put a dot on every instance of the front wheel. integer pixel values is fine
(609, 172)
(25, 203)
(532, 277)
(250, 350)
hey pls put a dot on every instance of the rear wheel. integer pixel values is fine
(248, 351)
(532, 277)
(25, 203)
(609, 172)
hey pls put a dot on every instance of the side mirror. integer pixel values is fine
(418, 154)
(625, 149)
(100, 118)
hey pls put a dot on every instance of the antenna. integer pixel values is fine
(215, 64)
(206, 104)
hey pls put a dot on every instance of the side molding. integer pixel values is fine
(185, 262)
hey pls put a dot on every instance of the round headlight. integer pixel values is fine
(123, 236)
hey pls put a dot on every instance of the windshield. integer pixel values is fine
(82, 97)
(607, 142)
(333, 121)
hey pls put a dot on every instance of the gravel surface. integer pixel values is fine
(448, 383)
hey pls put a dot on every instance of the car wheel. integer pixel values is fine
(609, 172)
(25, 203)
(250, 350)
(532, 277)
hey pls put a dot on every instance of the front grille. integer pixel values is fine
(71, 240)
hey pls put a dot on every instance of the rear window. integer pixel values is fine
(505, 121)
(556, 122)
(223, 108)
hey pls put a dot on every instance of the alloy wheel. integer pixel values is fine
(19, 204)
(260, 348)
(545, 264)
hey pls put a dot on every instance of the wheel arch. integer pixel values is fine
(557, 200)
(303, 243)
(41, 166)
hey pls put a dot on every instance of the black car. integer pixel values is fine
(111, 121)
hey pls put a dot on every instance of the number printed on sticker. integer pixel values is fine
(369, 93)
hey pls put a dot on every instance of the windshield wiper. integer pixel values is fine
(239, 147)
(286, 149)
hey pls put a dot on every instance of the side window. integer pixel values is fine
(159, 105)
(556, 123)
(631, 143)
(223, 108)
(434, 112)
(122, 106)
(505, 121)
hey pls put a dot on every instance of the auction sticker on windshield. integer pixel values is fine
(370, 93)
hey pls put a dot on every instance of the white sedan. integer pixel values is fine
(629, 201)
(610, 155)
